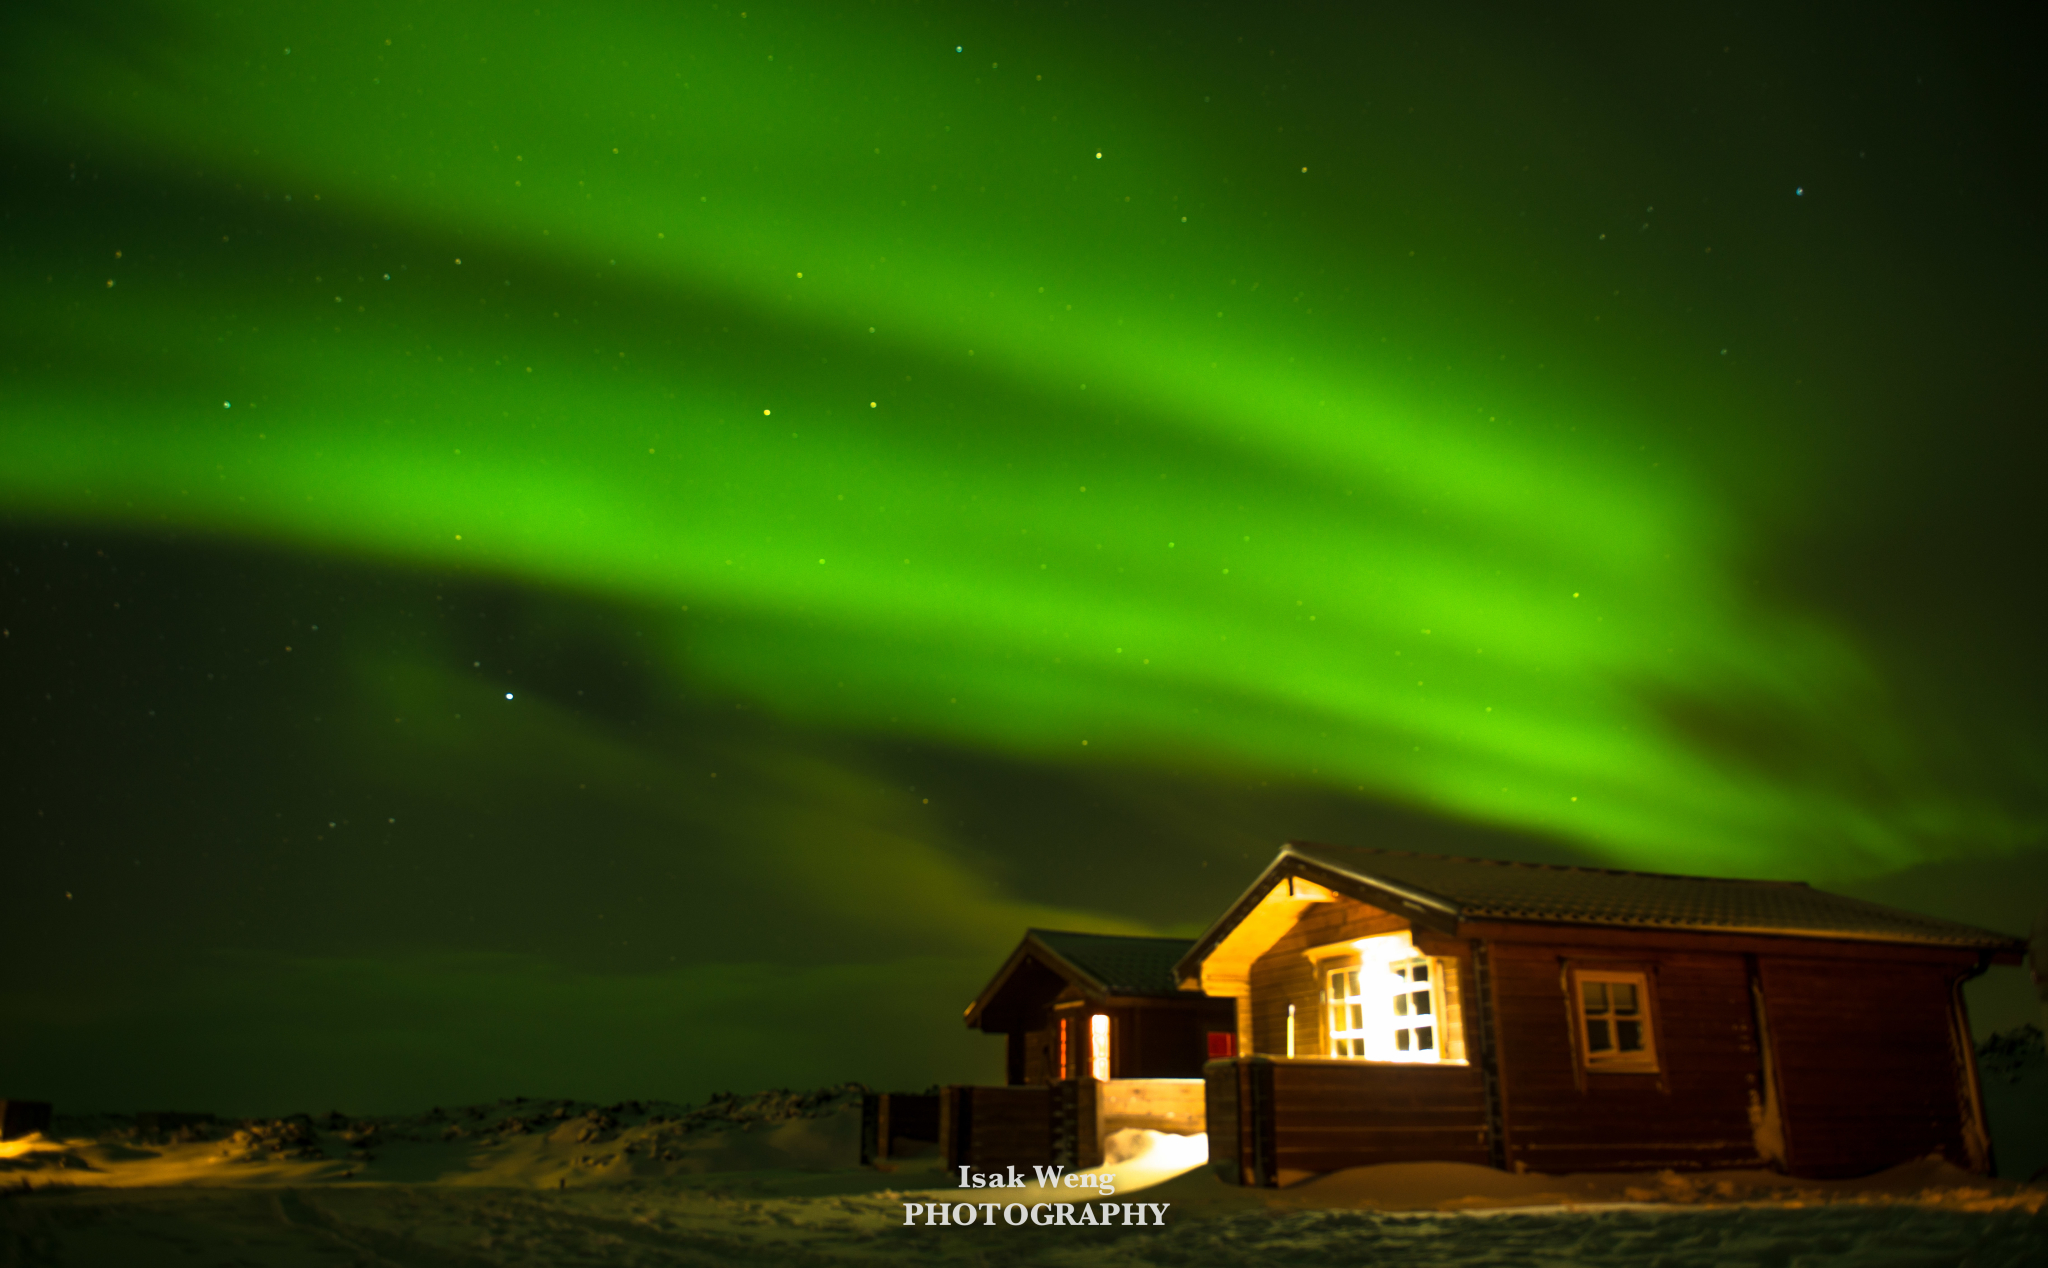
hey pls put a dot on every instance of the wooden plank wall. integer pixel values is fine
(1159, 1043)
(1866, 1061)
(1283, 975)
(1162, 1040)
(1332, 1114)
(1042, 1054)
(1165, 1105)
(1693, 1113)
(1076, 1123)
(905, 1121)
(1224, 1114)
(987, 1127)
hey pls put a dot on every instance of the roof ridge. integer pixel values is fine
(1551, 867)
(1126, 937)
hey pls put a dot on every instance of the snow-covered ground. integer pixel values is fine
(773, 1179)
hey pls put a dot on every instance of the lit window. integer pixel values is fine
(1414, 1024)
(1098, 1046)
(1614, 1021)
(1394, 1006)
(1063, 1048)
(1347, 1014)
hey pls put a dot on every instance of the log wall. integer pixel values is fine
(1225, 1111)
(987, 1127)
(1163, 1105)
(1283, 975)
(1693, 1112)
(1042, 1054)
(1328, 1115)
(1867, 1059)
(1273, 1119)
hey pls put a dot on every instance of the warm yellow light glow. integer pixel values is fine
(1392, 1006)
(1098, 1046)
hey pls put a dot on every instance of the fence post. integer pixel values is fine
(873, 1138)
(1260, 1145)
(956, 1125)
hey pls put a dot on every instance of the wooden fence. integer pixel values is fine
(1270, 1118)
(897, 1124)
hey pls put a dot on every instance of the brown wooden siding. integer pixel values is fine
(1159, 1043)
(1867, 1063)
(1328, 1115)
(1222, 1107)
(1283, 975)
(996, 1126)
(1693, 1112)
(1042, 1054)
(1271, 1116)
(896, 1123)
(1149, 1039)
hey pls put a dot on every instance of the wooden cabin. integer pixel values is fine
(1098, 1037)
(1097, 1005)
(1397, 1007)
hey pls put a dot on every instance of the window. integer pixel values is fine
(1347, 1014)
(1393, 1009)
(1415, 1027)
(1098, 1047)
(1614, 1021)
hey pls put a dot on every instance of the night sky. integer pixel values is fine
(631, 549)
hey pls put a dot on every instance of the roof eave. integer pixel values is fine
(1432, 910)
(1997, 944)
(1032, 947)
(1429, 909)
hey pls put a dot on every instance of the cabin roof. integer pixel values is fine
(1119, 965)
(1102, 965)
(1442, 890)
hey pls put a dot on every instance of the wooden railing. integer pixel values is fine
(1271, 1117)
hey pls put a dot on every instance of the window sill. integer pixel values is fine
(1358, 1061)
(1619, 1067)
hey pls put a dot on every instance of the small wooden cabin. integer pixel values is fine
(1397, 1007)
(1102, 1006)
(1098, 1038)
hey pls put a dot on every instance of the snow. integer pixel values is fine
(772, 1179)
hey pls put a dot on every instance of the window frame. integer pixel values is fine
(1647, 1061)
(1439, 1005)
(1332, 1002)
(1434, 969)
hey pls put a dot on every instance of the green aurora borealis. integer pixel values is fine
(763, 506)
